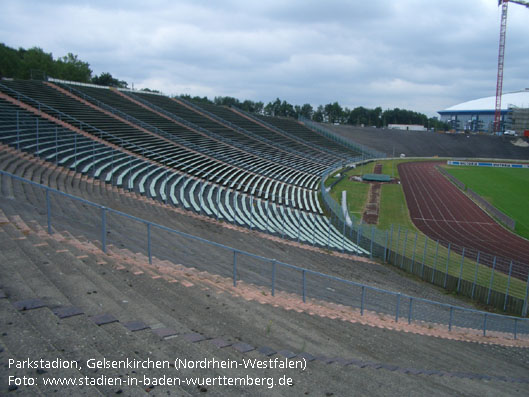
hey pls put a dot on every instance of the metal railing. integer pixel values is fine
(259, 270)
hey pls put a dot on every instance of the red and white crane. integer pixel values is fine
(501, 57)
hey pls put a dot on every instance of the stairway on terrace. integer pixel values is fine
(250, 125)
(196, 138)
(222, 203)
(272, 143)
(116, 306)
(96, 306)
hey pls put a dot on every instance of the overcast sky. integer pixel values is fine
(416, 54)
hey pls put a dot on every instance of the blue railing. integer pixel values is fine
(307, 283)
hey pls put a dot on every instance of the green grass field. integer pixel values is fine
(505, 188)
(393, 208)
(356, 191)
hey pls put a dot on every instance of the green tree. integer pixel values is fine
(35, 63)
(70, 67)
(273, 108)
(107, 79)
(319, 114)
(306, 111)
(196, 99)
(149, 90)
(227, 101)
(252, 107)
(334, 112)
(9, 61)
(286, 110)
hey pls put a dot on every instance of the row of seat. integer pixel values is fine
(199, 136)
(62, 146)
(325, 148)
(145, 143)
(278, 209)
(230, 118)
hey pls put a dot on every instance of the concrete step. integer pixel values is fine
(21, 341)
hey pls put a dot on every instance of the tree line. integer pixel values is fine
(330, 113)
(35, 63)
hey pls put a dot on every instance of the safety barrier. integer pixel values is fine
(259, 270)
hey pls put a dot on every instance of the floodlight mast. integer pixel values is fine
(501, 58)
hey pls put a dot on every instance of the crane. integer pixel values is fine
(501, 56)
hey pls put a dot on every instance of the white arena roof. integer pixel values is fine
(518, 99)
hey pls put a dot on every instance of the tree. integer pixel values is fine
(307, 111)
(334, 112)
(319, 114)
(197, 99)
(9, 61)
(107, 80)
(149, 90)
(227, 101)
(70, 67)
(252, 107)
(34, 61)
(286, 110)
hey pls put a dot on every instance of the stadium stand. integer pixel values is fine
(230, 116)
(192, 133)
(429, 144)
(212, 194)
(75, 303)
(67, 295)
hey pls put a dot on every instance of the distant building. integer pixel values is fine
(407, 127)
(478, 115)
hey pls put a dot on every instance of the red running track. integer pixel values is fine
(442, 212)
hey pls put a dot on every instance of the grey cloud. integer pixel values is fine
(412, 53)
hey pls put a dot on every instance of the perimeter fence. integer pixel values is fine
(62, 211)
(492, 280)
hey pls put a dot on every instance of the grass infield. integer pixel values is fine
(507, 189)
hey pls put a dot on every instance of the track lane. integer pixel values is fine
(442, 212)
